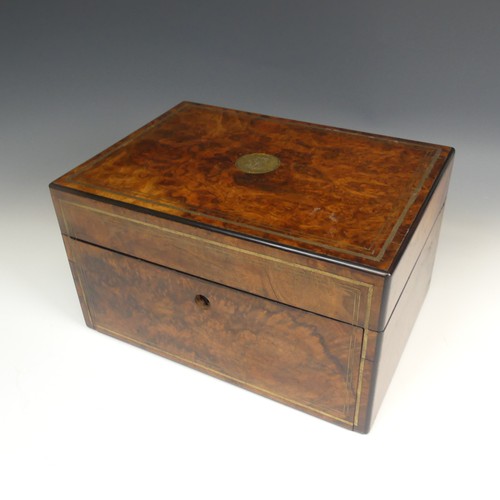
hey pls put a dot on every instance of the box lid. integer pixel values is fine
(342, 195)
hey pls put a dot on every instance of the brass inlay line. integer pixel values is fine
(318, 244)
(410, 202)
(364, 348)
(356, 291)
(84, 295)
(352, 343)
(368, 256)
(415, 178)
(219, 244)
(219, 373)
(73, 264)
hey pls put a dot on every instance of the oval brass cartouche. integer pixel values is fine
(257, 163)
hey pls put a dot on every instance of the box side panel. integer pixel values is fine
(393, 339)
(299, 358)
(396, 282)
(71, 260)
(331, 290)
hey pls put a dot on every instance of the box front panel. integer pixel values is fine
(302, 359)
(247, 266)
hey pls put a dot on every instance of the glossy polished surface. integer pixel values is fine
(343, 194)
(301, 359)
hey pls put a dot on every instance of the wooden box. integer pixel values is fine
(288, 258)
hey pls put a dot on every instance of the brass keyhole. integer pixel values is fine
(201, 301)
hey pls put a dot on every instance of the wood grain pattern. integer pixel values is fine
(389, 344)
(228, 262)
(301, 284)
(296, 357)
(394, 338)
(337, 193)
(396, 280)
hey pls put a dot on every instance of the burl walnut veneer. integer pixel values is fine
(288, 258)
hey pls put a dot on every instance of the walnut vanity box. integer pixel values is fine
(288, 258)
